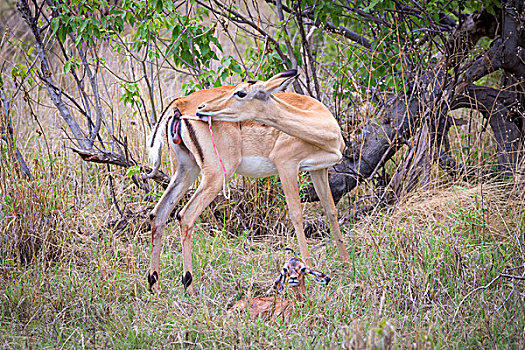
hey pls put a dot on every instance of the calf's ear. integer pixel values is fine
(279, 282)
(319, 277)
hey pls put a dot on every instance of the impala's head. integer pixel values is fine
(294, 270)
(246, 100)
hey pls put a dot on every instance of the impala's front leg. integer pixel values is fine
(289, 174)
(179, 184)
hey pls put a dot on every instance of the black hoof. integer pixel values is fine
(152, 279)
(187, 279)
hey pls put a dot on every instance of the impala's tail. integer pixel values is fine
(156, 138)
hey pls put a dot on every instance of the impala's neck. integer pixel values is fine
(317, 126)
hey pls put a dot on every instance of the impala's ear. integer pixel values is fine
(319, 277)
(279, 82)
(279, 282)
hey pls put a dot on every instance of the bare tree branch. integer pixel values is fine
(496, 105)
(329, 26)
(108, 157)
(32, 22)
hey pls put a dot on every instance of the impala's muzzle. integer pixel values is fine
(203, 117)
(293, 281)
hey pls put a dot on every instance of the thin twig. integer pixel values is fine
(472, 292)
(512, 291)
(112, 190)
(522, 278)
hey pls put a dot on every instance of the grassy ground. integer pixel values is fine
(412, 282)
(423, 274)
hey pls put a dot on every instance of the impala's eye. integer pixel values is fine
(285, 270)
(240, 94)
(303, 269)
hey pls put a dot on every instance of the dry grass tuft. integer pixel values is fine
(34, 216)
(477, 207)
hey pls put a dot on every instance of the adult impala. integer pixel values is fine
(258, 132)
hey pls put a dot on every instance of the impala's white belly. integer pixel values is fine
(256, 167)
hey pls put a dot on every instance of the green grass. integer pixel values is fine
(403, 289)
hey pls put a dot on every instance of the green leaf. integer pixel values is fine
(187, 56)
(72, 63)
(204, 50)
(236, 68)
(82, 26)
(55, 24)
(19, 70)
(62, 34)
(130, 18)
(78, 40)
(160, 6)
(132, 170)
(373, 3)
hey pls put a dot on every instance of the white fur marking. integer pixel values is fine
(256, 167)
(316, 164)
(308, 165)
(154, 152)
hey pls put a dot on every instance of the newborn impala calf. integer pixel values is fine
(294, 270)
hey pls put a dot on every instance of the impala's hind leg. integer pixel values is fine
(197, 137)
(185, 175)
(209, 187)
(320, 180)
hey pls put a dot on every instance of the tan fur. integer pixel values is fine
(264, 307)
(297, 115)
(235, 141)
